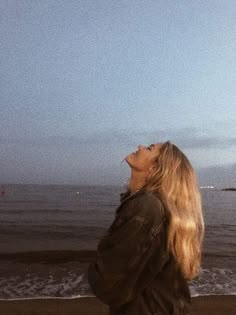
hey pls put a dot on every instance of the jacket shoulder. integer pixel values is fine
(147, 199)
(147, 204)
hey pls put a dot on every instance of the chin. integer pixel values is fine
(129, 159)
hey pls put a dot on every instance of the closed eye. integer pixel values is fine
(150, 147)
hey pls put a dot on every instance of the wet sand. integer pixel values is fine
(203, 305)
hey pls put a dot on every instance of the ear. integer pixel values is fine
(151, 169)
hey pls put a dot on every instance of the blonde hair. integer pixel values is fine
(175, 181)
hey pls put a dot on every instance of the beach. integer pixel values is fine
(202, 305)
(49, 235)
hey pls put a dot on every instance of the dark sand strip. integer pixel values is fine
(204, 305)
(50, 256)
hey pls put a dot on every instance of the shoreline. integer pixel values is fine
(93, 296)
(204, 305)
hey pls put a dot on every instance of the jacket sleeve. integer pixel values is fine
(131, 252)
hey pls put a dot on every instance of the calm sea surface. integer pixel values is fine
(72, 219)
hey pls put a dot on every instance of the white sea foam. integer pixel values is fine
(71, 285)
(214, 281)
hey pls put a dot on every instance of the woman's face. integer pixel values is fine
(143, 159)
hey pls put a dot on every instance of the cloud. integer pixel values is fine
(93, 139)
(220, 175)
(207, 142)
(185, 138)
(95, 157)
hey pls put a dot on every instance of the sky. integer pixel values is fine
(84, 82)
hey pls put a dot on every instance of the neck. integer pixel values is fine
(137, 181)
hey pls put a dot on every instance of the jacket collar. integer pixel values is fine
(130, 197)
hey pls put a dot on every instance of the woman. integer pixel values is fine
(153, 247)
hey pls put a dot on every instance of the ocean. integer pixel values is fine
(48, 235)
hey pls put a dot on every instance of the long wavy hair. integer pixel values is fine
(174, 180)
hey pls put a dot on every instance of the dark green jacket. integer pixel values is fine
(133, 273)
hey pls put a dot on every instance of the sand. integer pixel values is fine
(203, 305)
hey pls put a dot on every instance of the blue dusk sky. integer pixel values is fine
(84, 82)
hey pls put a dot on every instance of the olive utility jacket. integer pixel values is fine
(133, 273)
